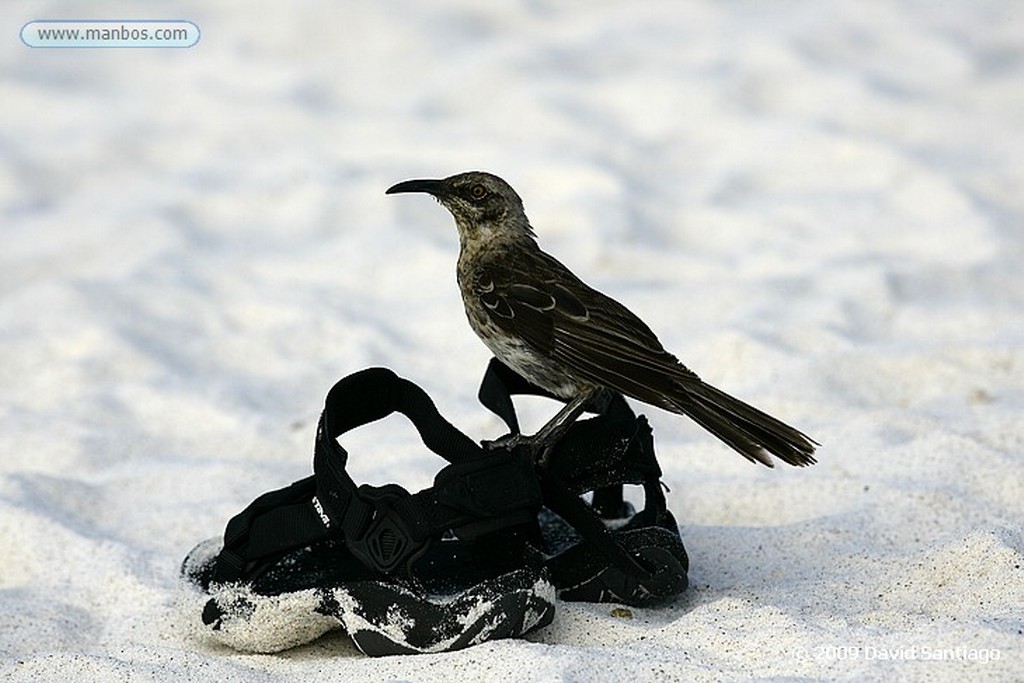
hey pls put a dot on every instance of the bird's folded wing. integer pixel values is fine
(587, 332)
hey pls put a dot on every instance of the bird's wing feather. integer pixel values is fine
(541, 302)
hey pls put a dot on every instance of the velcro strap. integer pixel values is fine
(274, 523)
(490, 485)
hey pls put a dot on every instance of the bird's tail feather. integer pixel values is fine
(751, 432)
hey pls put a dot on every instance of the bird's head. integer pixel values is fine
(485, 207)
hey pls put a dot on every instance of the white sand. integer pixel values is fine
(818, 206)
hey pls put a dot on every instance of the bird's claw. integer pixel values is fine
(540, 449)
(507, 442)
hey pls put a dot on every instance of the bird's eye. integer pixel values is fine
(478, 192)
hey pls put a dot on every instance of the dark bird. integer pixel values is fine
(545, 323)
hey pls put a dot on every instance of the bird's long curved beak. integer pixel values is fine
(434, 187)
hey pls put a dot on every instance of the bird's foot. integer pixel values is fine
(540, 448)
(507, 442)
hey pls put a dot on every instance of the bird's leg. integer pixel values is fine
(557, 426)
(548, 435)
(544, 440)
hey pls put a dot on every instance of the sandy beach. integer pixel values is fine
(819, 207)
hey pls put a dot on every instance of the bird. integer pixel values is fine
(553, 329)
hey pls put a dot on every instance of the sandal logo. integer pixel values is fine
(320, 512)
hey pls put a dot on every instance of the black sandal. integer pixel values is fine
(469, 559)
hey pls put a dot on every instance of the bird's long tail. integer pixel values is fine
(754, 434)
